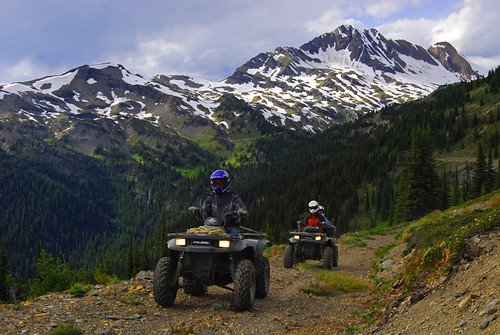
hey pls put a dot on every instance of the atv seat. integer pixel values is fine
(312, 230)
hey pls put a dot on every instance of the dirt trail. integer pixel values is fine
(129, 308)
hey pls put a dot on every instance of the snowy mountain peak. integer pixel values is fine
(330, 79)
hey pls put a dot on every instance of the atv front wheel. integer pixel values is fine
(244, 285)
(327, 258)
(262, 278)
(335, 256)
(165, 281)
(288, 257)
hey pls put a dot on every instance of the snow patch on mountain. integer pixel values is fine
(330, 79)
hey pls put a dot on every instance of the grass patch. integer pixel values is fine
(352, 240)
(358, 239)
(370, 315)
(382, 251)
(138, 158)
(305, 266)
(274, 250)
(239, 157)
(352, 330)
(66, 330)
(97, 156)
(79, 290)
(190, 173)
(331, 282)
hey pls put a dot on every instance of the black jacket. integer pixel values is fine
(227, 207)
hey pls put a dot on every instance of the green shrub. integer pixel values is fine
(52, 276)
(103, 278)
(66, 330)
(274, 250)
(79, 290)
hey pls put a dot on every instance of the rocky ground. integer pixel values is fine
(465, 302)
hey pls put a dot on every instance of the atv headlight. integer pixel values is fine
(224, 244)
(317, 238)
(180, 242)
(297, 237)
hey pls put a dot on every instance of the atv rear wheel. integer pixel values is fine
(244, 285)
(288, 257)
(327, 258)
(165, 281)
(262, 278)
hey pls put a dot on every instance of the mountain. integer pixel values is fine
(346, 72)
(331, 79)
(98, 163)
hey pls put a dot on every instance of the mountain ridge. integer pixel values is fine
(329, 80)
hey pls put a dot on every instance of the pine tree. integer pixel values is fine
(419, 185)
(466, 187)
(456, 188)
(489, 172)
(445, 191)
(475, 120)
(497, 184)
(4, 271)
(130, 258)
(479, 177)
(367, 201)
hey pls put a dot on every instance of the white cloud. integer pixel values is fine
(330, 20)
(484, 64)
(383, 9)
(151, 55)
(28, 69)
(471, 29)
(414, 31)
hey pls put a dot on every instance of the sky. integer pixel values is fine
(211, 38)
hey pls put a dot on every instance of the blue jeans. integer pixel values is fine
(233, 231)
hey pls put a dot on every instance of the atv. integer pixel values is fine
(311, 243)
(201, 258)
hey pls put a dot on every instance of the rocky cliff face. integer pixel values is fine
(451, 59)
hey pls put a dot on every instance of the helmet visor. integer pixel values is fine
(218, 182)
(313, 207)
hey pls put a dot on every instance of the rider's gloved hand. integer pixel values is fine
(230, 216)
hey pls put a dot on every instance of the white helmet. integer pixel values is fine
(313, 206)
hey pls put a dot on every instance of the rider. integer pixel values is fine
(315, 217)
(224, 205)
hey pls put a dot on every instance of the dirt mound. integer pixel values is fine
(463, 302)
